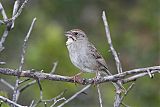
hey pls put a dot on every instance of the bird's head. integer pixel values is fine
(74, 35)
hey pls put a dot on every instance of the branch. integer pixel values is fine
(129, 88)
(54, 100)
(3, 12)
(10, 102)
(20, 10)
(118, 86)
(99, 96)
(16, 91)
(15, 9)
(114, 53)
(10, 22)
(3, 38)
(5, 34)
(47, 76)
(75, 95)
(7, 83)
(54, 67)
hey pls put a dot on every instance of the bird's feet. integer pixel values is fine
(95, 80)
(77, 78)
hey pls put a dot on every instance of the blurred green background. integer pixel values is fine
(134, 27)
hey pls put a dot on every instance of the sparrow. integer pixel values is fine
(85, 56)
(83, 53)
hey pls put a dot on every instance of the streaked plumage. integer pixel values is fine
(83, 53)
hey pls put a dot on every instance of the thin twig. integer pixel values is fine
(99, 96)
(125, 105)
(114, 53)
(129, 88)
(36, 103)
(7, 84)
(118, 85)
(32, 102)
(23, 81)
(27, 85)
(10, 22)
(16, 91)
(55, 100)
(134, 77)
(15, 9)
(24, 45)
(75, 95)
(20, 10)
(54, 67)
(149, 73)
(3, 38)
(10, 102)
(40, 88)
(3, 12)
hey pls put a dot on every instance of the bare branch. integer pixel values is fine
(113, 78)
(40, 88)
(3, 12)
(149, 73)
(54, 67)
(24, 45)
(15, 9)
(129, 88)
(10, 22)
(99, 96)
(75, 95)
(55, 100)
(20, 10)
(3, 38)
(125, 105)
(7, 84)
(134, 77)
(27, 85)
(114, 53)
(118, 85)
(10, 102)
(31, 105)
(16, 91)
(23, 81)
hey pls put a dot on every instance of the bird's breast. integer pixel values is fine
(79, 56)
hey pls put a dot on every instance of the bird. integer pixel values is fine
(83, 53)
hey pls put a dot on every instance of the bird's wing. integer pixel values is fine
(97, 55)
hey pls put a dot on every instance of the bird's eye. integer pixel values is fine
(75, 33)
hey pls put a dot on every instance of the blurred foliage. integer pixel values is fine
(134, 27)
